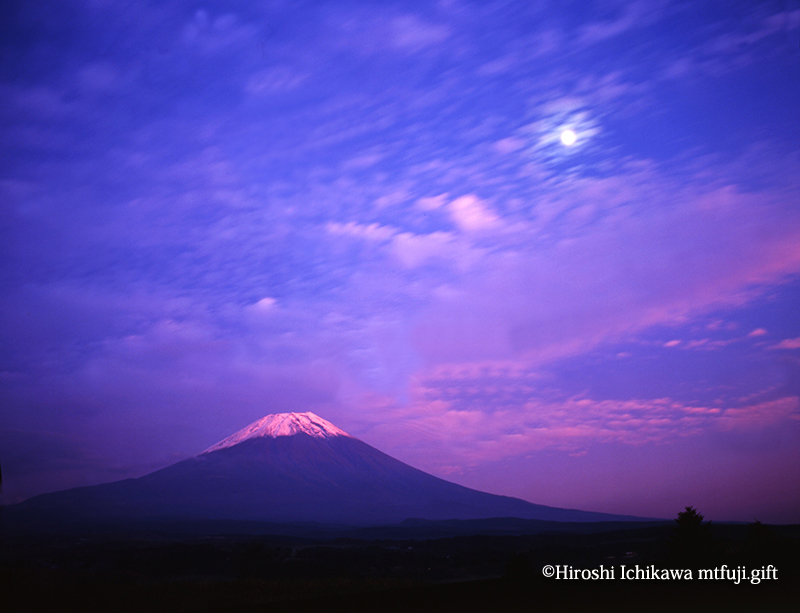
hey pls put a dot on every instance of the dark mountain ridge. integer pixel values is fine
(291, 468)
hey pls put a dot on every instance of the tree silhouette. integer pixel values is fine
(690, 523)
(760, 547)
(693, 544)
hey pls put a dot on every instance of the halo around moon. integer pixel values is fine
(568, 137)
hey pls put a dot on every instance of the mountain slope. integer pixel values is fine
(294, 468)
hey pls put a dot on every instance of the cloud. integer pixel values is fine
(765, 25)
(372, 232)
(634, 14)
(761, 415)
(490, 412)
(410, 250)
(275, 80)
(265, 305)
(369, 32)
(509, 145)
(412, 33)
(413, 250)
(789, 343)
(472, 215)
(431, 203)
(740, 44)
(214, 34)
(610, 272)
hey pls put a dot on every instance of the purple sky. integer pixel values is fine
(214, 211)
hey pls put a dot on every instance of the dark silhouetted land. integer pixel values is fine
(157, 571)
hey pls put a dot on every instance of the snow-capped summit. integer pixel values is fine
(281, 424)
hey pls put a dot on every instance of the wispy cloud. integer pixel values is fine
(632, 14)
(481, 419)
(789, 343)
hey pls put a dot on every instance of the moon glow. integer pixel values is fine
(568, 137)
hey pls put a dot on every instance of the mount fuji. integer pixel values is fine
(289, 468)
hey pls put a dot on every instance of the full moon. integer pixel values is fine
(568, 137)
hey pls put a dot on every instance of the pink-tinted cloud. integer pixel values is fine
(471, 215)
(572, 287)
(462, 416)
(789, 343)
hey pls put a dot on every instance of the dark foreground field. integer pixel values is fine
(158, 572)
